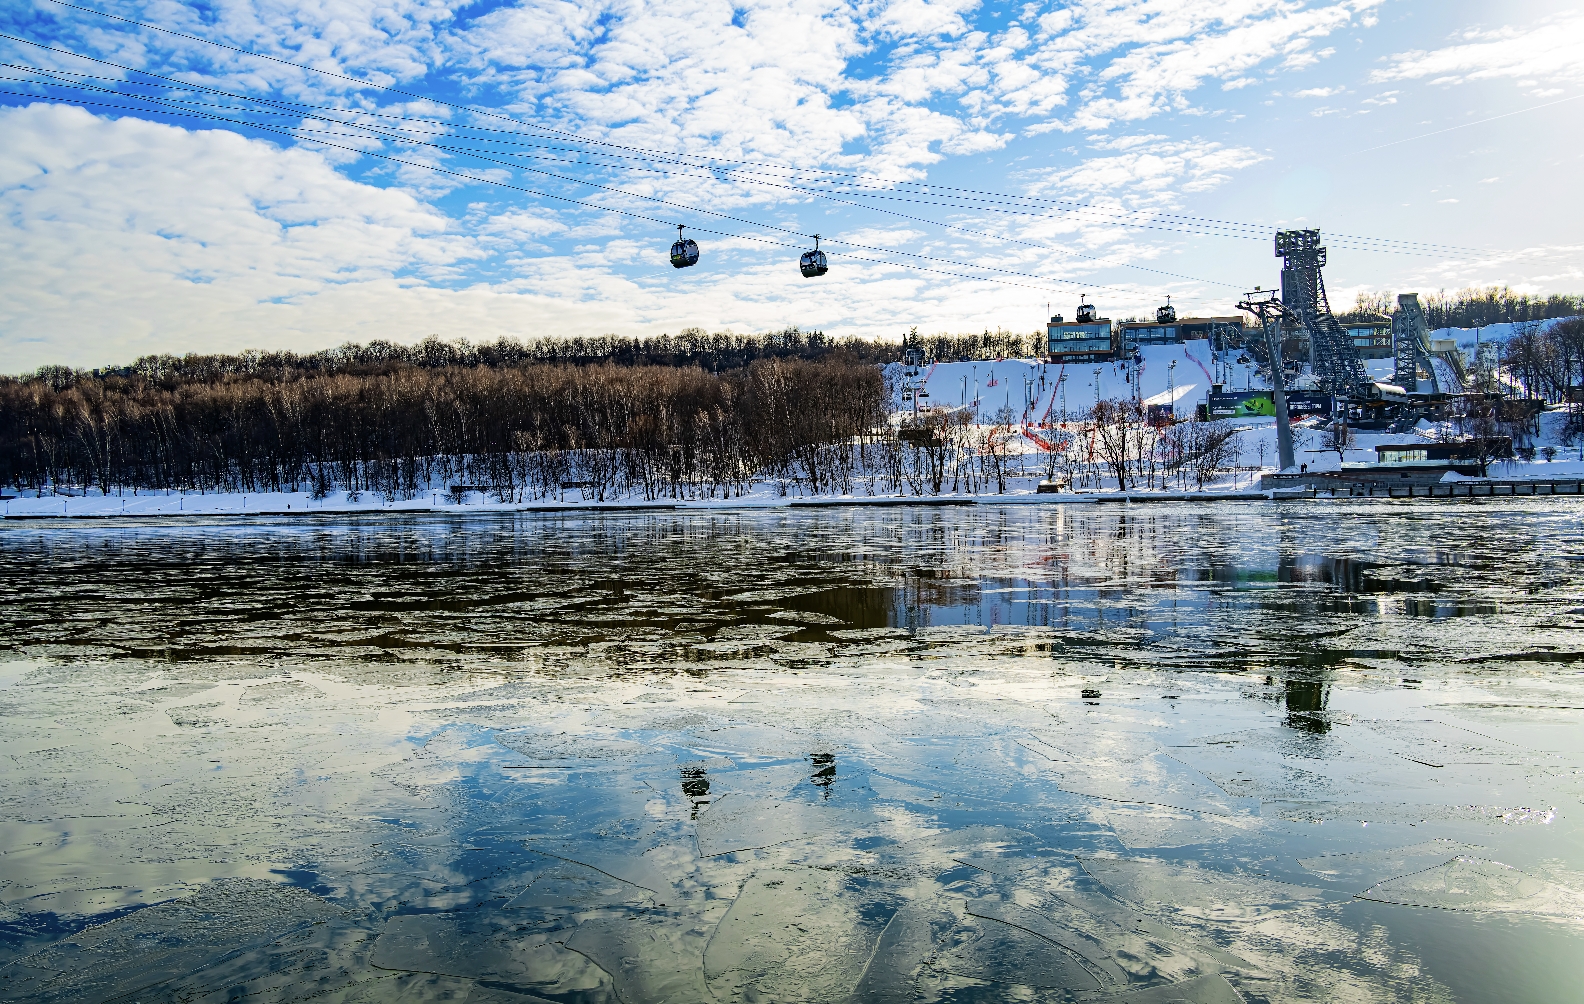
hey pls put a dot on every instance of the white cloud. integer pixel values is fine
(1168, 50)
(1152, 173)
(129, 237)
(199, 234)
(776, 79)
(888, 86)
(1549, 49)
(135, 230)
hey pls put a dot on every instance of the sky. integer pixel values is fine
(517, 168)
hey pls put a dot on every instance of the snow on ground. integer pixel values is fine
(1039, 393)
(1381, 370)
(1250, 465)
(1468, 338)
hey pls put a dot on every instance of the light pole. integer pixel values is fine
(1171, 388)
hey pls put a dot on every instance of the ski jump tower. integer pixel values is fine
(1336, 361)
(1414, 352)
(1410, 341)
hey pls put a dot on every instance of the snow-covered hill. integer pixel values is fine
(1038, 392)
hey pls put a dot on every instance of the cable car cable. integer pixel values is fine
(716, 172)
(421, 97)
(401, 137)
(407, 139)
(1263, 232)
(817, 194)
(291, 132)
(622, 212)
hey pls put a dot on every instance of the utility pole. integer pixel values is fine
(1269, 309)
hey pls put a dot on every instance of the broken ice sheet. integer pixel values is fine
(1363, 868)
(586, 752)
(745, 822)
(1008, 955)
(1435, 744)
(1157, 779)
(477, 945)
(156, 945)
(1194, 892)
(797, 934)
(1281, 763)
(653, 960)
(644, 868)
(1480, 885)
(1141, 829)
(567, 888)
(1212, 989)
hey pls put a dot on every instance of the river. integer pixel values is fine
(1307, 751)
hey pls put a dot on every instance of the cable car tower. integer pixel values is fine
(1335, 358)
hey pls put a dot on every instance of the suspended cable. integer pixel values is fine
(611, 209)
(1207, 226)
(491, 114)
(403, 137)
(954, 227)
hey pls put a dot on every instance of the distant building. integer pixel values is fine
(1372, 339)
(1462, 457)
(1089, 339)
(1186, 329)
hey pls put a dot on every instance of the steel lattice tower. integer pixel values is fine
(1336, 360)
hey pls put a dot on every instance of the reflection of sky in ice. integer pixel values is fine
(994, 754)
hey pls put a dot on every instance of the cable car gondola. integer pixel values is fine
(1166, 314)
(813, 264)
(684, 252)
(1087, 312)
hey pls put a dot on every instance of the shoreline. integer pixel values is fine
(105, 510)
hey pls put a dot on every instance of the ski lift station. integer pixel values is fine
(1374, 373)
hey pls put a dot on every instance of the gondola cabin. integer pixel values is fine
(684, 252)
(813, 263)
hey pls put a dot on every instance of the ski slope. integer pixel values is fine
(1467, 338)
(1037, 392)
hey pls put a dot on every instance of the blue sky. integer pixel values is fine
(1129, 149)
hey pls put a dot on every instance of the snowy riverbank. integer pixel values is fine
(1243, 487)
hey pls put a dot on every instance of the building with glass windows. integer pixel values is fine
(1185, 329)
(1089, 340)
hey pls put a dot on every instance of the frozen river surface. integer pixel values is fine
(1143, 754)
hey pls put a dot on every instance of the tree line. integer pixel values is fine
(1472, 307)
(1546, 361)
(532, 429)
(722, 350)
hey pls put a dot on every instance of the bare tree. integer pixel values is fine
(1338, 439)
